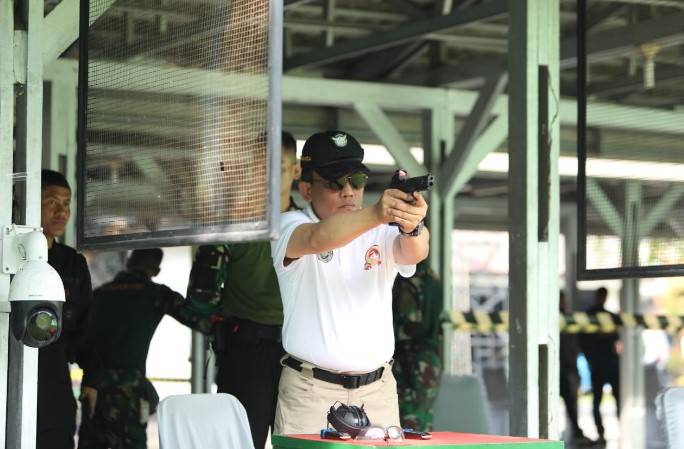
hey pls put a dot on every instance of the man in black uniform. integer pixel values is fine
(601, 351)
(126, 313)
(56, 423)
(568, 350)
(239, 280)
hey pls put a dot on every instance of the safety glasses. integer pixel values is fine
(357, 180)
(393, 433)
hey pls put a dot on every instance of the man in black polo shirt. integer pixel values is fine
(56, 423)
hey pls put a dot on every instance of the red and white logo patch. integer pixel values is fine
(372, 257)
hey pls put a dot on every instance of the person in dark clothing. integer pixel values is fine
(417, 307)
(126, 313)
(241, 283)
(600, 349)
(56, 420)
(569, 376)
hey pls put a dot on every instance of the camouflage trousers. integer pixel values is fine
(121, 413)
(418, 372)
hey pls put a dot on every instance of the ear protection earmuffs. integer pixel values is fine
(348, 418)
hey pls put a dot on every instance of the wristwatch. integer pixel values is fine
(416, 232)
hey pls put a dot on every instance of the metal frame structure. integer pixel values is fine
(441, 104)
(633, 222)
(216, 85)
(18, 429)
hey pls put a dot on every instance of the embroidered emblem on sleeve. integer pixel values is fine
(372, 257)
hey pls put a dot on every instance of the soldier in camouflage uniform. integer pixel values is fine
(127, 312)
(417, 310)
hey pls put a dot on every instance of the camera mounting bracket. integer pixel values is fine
(21, 244)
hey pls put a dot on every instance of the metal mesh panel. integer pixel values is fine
(631, 179)
(175, 110)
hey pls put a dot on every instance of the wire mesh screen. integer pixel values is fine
(631, 135)
(179, 122)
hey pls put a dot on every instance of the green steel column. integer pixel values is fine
(632, 375)
(6, 163)
(439, 134)
(534, 216)
(28, 61)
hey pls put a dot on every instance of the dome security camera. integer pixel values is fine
(36, 296)
(36, 292)
(36, 325)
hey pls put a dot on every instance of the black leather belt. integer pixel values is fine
(258, 331)
(346, 380)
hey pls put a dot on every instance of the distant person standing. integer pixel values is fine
(600, 349)
(417, 308)
(126, 313)
(569, 375)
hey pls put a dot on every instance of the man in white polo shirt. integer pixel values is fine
(336, 262)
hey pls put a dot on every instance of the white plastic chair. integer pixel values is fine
(670, 413)
(203, 421)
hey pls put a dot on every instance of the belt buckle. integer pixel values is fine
(350, 381)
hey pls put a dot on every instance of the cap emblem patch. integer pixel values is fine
(340, 140)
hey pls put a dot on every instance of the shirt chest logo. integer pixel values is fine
(372, 257)
(325, 257)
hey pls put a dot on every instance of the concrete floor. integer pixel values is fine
(586, 422)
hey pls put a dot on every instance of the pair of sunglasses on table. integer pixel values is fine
(357, 180)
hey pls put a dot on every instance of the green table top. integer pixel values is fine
(439, 440)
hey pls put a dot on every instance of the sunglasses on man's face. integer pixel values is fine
(357, 181)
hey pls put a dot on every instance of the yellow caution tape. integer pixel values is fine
(77, 374)
(576, 322)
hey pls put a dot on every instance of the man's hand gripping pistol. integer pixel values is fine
(401, 181)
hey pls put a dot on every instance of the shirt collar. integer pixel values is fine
(310, 213)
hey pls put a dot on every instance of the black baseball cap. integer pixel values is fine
(332, 154)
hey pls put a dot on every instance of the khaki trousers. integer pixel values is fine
(304, 402)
